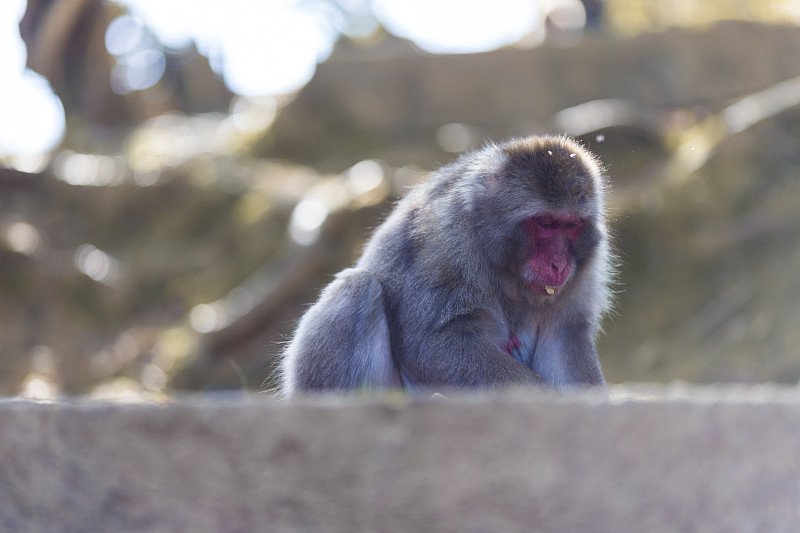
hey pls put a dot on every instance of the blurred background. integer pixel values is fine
(179, 179)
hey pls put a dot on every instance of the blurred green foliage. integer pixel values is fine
(180, 230)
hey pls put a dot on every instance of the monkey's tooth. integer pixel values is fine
(550, 289)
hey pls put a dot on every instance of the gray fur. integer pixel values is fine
(437, 292)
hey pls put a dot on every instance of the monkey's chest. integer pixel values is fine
(521, 345)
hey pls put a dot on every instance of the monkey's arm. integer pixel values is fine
(567, 358)
(342, 342)
(461, 354)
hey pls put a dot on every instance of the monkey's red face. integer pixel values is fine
(551, 262)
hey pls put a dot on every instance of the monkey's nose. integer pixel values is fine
(558, 264)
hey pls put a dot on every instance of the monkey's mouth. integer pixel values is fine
(547, 290)
(546, 287)
(546, 277)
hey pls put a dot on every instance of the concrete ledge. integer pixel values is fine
(703, 460)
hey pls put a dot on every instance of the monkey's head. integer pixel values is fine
(549, 191)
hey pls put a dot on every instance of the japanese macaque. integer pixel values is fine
(493, 273)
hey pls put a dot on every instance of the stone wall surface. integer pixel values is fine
(703, 462)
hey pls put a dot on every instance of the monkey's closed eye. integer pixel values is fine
(546, 222)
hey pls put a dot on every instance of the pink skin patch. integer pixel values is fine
(551, 262)
(511, 345)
